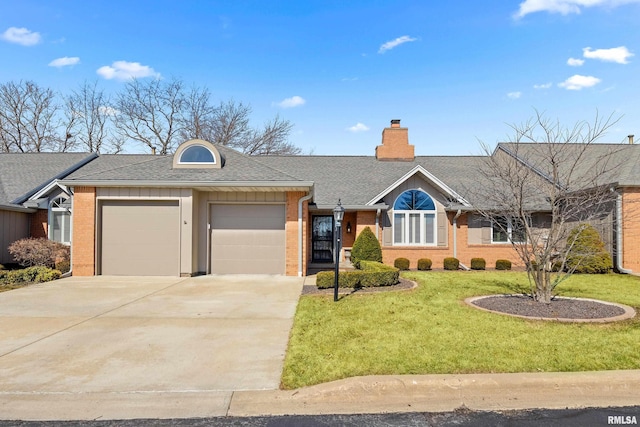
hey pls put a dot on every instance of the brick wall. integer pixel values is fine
(40, 224)
(291, 231)
(631, 229)
(395, 145)
(464, 251)
(84, 231)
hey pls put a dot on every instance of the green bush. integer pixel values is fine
(587, 253)
(63, 266)
(478, 264)
(1, 267)
(372, 274)
(503, 264)
(451, 263)
(37, 274)
(401, 263)
(424, 264)
(366, 248)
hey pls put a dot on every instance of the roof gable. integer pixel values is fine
(418, 169)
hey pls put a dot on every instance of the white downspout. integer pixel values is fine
(300, 201)
(70, 272)
(455, 233)
(377, 223)
(619, 251)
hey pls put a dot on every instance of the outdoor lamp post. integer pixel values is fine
(338, 215)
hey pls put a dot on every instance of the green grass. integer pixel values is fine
(430, 330)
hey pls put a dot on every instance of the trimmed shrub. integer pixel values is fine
(63, 266)
(401, 263)
(478, 264)
(37, 274)
(503, 264)
(42, 252)
(366, 248)
(424, 264)
(451, 263)
(587, 254)
(372, 274)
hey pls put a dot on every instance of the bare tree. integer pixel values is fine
(89, 118)
(30, 119)
(152, 112)
(229, 124)
(545, 182)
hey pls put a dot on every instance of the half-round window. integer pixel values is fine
(414, 219)
(197, 154)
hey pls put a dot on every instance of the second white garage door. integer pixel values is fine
(140, 238)
(247, 239)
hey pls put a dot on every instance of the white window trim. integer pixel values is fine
(52, 210)
(423, 229)
(509, 233)
(215, 159)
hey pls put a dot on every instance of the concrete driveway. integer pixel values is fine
(84, 348)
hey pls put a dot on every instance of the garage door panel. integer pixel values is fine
(140, 238)
(248, 239)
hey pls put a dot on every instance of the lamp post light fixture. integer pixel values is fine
(338, 215)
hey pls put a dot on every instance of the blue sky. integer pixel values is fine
(454, 72)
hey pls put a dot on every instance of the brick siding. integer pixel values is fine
(39, 224)
(84, 231)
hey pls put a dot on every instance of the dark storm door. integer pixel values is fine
(322, 239)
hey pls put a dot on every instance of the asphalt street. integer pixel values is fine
(586, 417)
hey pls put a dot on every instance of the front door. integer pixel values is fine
(322, 239)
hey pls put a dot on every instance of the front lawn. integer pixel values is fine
(430, 330)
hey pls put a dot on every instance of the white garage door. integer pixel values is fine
(140, 238)
(248, 239)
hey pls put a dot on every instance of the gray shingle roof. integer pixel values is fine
(21, 174)
(356, 180)
(596, 163)
(139, 167)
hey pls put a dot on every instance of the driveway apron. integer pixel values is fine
(78, 343)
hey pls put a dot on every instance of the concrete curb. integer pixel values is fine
(436, 393)
(358, 395)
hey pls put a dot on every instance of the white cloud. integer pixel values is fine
(108, 111)
(615, 54)
(578, 82)
(514, 95)
(565, 7)
(21, 36)
(123, 70)
(358, 127)
(294, 101)
(395, 43)
(575, 62)
(65, 61)
(542, 86)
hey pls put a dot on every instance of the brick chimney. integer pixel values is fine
(395, 144)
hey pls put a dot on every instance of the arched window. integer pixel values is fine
(197, 154)
(60, 220)
(414, 219)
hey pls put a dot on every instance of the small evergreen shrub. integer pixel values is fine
(478, 264)
(63, 266)
(366, 248)
(424, 264)
(372, 274)
(401, 263)
(503, 264)
(37, 274)
(587, 253)
(451, 263)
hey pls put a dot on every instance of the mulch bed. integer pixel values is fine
(559, 308)
(404, 284)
